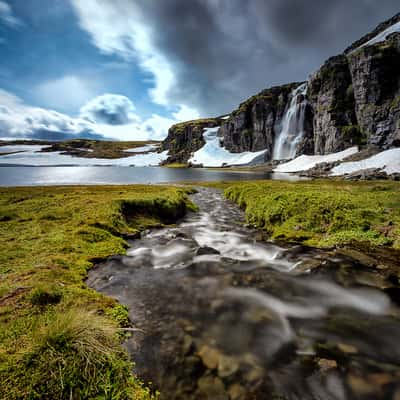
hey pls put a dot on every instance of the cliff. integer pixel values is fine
(185, 138)
(354, 98)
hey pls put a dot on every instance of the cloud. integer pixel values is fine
(109, 116)
(211, 54)
(20, 120)
(65, 93)
(7, 16)
(109, 109)
(130, 38)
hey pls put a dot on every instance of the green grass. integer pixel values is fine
(323, 213)
(58, 338)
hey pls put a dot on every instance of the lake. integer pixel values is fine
(99, 175)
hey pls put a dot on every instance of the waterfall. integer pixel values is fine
(292, 131)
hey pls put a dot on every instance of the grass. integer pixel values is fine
(323, 213)
(175, 165)
(58, 338)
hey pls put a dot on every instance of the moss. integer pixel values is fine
(49, 238)
(197, 123)
(353, 134)
(323, 213)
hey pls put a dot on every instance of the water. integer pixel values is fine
(93, 175)
(218, 313)
(292, 131)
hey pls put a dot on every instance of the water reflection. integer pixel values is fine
(93, 175)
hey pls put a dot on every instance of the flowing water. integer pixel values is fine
(219, 313)
(292, 131)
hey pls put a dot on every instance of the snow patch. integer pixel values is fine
(304, 162)
(388, 160)
(21, 147)
(143, 149)
(30, 156)
(213, 155)
(381, 37)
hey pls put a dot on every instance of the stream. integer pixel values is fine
(220, 313)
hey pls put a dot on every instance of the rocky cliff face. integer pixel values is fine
(375, 72)
(353, 99)
(253, 126)
(185, 138)
(331, 95)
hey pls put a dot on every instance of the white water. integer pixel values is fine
(292, 131)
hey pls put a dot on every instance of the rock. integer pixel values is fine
(332, 99)
(236, 392)
(376, 84)
(347, 348)
(326, 365)
(211, 388)
(254, 125)
(353, 99)
(210, 356)
(206, 250)
(366, 175)
(227, 366)
(185, 138)
(187, 344)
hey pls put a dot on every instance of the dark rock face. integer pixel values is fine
(353, 99)
(185, 138)
(331, 95)
(375, 72)
(253, 126)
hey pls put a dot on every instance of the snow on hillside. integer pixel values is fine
(30, 155)
(304, 162)
(213, 155)
(388, 160)
(380, 37)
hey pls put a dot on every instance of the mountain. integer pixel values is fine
(353, 99)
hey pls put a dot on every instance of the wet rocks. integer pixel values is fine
(206, 250)
(211, 330)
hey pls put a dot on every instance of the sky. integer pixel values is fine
(128, 69)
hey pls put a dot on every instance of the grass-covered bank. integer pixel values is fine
(58, 338)
(323, 213)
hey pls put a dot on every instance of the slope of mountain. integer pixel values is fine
(353, 99)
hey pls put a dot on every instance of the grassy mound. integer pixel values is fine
(323, 213)
(58, 338)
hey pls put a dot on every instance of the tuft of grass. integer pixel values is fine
(50, 237)
(323, 213)
(43, 296)
(74, 355)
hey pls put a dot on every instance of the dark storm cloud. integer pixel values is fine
(222, 51)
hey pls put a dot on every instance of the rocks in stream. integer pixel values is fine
(220, 326)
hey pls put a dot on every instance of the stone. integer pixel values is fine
(326, 365)
(227, 366)
(206, 250)
(212, 388)
(236, 392)
(210, 356)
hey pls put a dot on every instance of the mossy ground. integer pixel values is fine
(58, 338)
(323, 213)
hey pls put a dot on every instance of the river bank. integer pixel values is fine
(52, 236)
(220, 312)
